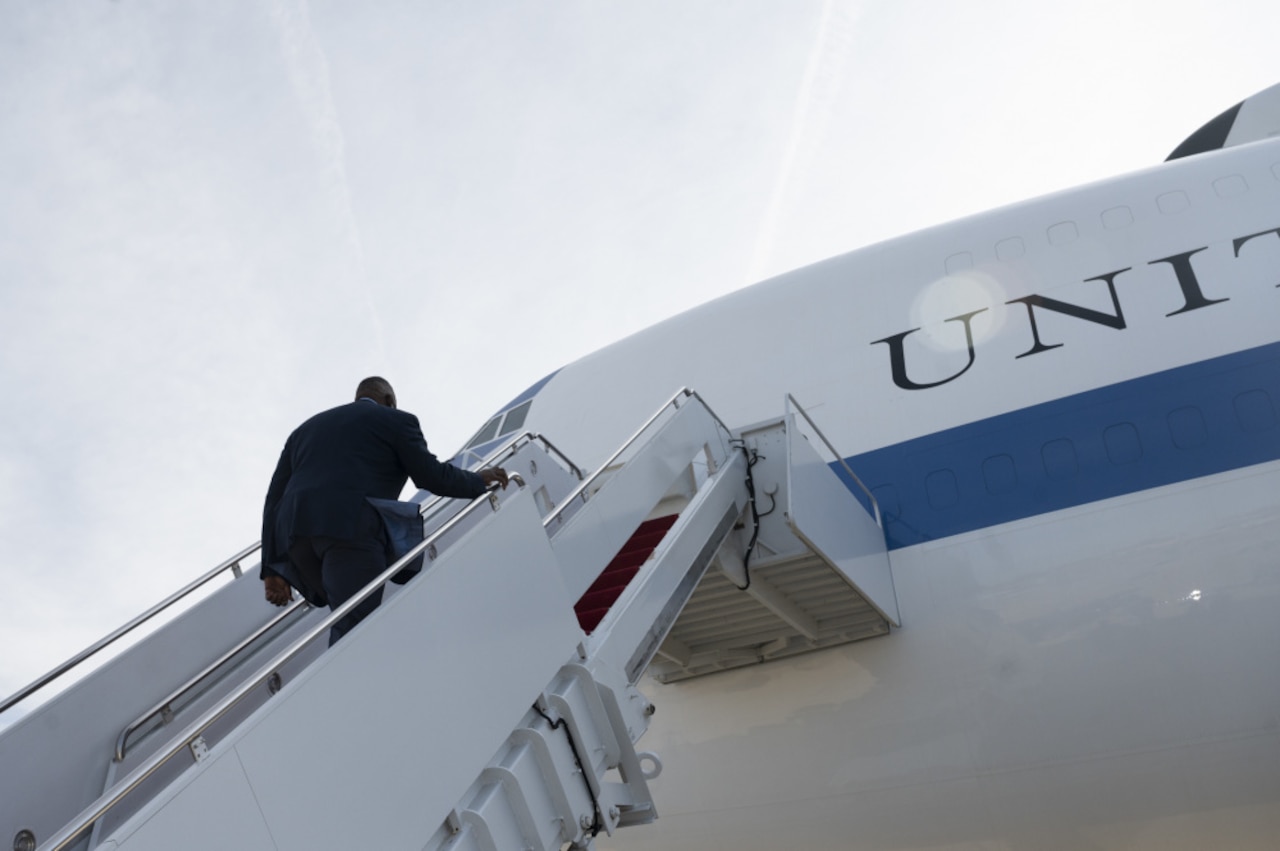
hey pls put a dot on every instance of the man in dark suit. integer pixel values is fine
(321, 534)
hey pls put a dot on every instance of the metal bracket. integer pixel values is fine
(199, 748)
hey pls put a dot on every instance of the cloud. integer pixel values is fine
(824, 78)
(215, 219)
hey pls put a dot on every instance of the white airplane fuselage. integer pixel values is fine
(1067, 410)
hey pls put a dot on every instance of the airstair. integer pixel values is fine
(492, 702)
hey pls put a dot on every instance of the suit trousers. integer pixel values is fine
(342, 568)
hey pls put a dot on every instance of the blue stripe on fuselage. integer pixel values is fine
(1192, 421)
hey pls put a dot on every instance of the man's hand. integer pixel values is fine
(494, 474)
(278, 591)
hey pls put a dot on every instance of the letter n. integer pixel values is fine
(1034, 301)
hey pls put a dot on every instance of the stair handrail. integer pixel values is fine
(508, 448)
(674, 401)
(122, 742)
(232, 564)
(149, 766)
(554, 450)
(875, 503)
(427, 507)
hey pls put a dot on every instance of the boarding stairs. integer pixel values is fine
(493, 701)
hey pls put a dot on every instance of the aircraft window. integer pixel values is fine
(1059, 458)
(1117, 217)
(1011, 248)
(959, 262)
(516, 417)
(887, 497)
(1063, 233)
(1230, 186)
(489, 432)
(942, 489)
(1000, 474)
(1124, 446)
(1186, 427)
(1173, 202)
(1255, 411)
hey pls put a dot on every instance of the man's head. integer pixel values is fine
(378, 389)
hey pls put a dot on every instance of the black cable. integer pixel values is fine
(597, 824)
(753, 458)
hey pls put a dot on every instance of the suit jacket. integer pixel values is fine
(402, 531)
(333, 464)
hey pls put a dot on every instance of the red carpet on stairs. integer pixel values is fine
(610, 584)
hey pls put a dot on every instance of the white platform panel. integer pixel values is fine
(826, 515)
(376, 742)
(188, 823)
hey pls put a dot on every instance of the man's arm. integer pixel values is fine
(276, 588)
(441, 478)
(278, 591)
(494, 475)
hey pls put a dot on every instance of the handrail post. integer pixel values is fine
(122, 742)
(875, 503)
(111, 638)
(586, 484)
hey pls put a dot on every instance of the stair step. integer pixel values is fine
(604, 597)
(613, 580)
(645, 540)
(615, 577)
(629, 558)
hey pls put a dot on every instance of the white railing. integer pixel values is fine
(583, 490)
(232, 564)
(875, 503)
(85, 820)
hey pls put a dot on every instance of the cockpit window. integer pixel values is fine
(516, 417)
(513, 420)
(486, 434)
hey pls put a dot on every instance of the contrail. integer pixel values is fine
(309, 74)
(823, 78)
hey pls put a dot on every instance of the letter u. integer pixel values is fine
(898, 358)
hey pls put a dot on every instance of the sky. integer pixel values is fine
(216, 218)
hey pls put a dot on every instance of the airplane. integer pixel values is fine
(965, 540)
